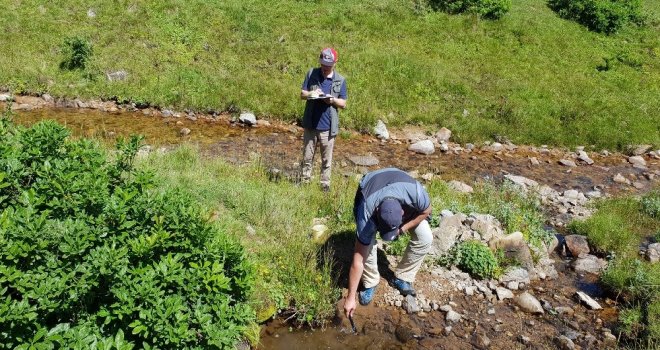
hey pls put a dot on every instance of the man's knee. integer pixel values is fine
(424, 233)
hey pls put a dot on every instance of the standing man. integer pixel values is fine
(325, 92)
(391, 202)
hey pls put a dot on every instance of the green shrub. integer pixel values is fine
(93, 256)
(476, 259)
(603, 16)
(77, 53)
(492, 9)
(651, 204)
(399, 246)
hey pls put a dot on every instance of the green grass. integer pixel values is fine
(531, 76)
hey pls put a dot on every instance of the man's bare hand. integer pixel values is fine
(349, 306)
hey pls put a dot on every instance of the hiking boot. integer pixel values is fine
(367, 295)
(405, 288)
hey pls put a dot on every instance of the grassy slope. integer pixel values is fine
(531, 76)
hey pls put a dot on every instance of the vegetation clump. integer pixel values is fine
(95, 257)
(77, 53)
(603, 16)
(491, 9)
(474, 258)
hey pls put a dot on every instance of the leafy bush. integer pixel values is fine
(399, 246)
(472, 257)
(492, 9)
(651, 204)
(77, 53)
(603, 16)
(93, 256)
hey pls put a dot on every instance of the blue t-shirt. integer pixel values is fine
(321, 110)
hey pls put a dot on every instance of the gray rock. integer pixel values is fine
(653, 252)
(567, 162)
(248, 119)
(184, 132)
(410, 304)
(637, 160)
(5, 98)
(443, 135)
(516, 274)
(524, 339)
(167, 113)
(119, 75)
(495, 147)
(641, 149)
(480, 341)
(460, 186)
(521, 181)
(453, 316)
(487, 226)
(91, 13)
(589, 264)
(503, 293)
(445, 213)
(47, 98)
(577, 244)
(368, 160)
(564, 343)
(534, 161)
(618, 178)
(583, 156)
(565, 310)
(514, 247)
(423, 147)
(513, 285)
(380, 130)
(445, 236)
(528, 303)
(443, 147)
(587, 300)
(594, 194)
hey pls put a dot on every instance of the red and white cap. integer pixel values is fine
(328, 57)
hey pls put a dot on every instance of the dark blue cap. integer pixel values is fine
(390, 218)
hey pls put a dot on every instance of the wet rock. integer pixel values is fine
(453, 316)
(480, 341)
(587, 300)
(248, 119)
(410, 304)
(577, 244)
(637, 161)
(528, 303)
(653, 252)
(503, 293)
(618, 178)
(589, 264)
(423, 147)
(380, 130)
(184, 132)
(584, 157)
(368, 160)
(564, 343)
(567, 162)
(403, 333)
(443, 135)
(460, 186)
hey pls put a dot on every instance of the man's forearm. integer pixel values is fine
(416, 221)
(354, 276)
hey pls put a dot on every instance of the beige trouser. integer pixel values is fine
(419, 245)
(327, 143)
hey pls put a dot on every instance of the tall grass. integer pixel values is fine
(531, 76)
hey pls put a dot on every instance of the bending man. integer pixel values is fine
(391, 202)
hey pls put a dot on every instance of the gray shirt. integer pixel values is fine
(379, 185)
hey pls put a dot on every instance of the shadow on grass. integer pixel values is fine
(339, 249)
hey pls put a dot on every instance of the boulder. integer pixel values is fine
(380, 130)
(514, 247)
(487, 226)
(453, 316)
(503, 293)
(589, 264)
(521, 181)
(637, 161)
(653, 252)
(445, 236)
(410, 304)
(584, 157)
(248, 119)
(618, 178)
(577, 244)
(423, 147)
(443, 135)
(516, 274)
(528, 303)
(641, 149)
